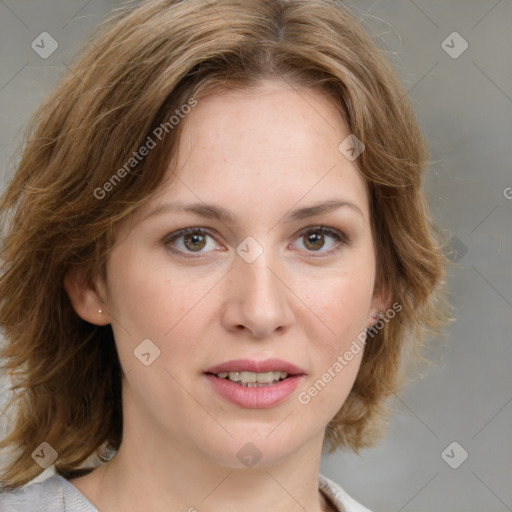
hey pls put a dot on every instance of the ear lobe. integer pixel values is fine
(381, 302)
(84, 298)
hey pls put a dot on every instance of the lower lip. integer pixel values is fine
(257, 397)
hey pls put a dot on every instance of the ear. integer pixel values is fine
(381, 302)
(84, 297)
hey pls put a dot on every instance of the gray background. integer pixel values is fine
(464, 106)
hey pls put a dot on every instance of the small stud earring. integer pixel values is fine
(378, 315)
(100, 311)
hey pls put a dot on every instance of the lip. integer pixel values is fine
(257, 397)
(250, 365)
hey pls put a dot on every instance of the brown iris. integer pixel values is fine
(314, 241)
(194, 242)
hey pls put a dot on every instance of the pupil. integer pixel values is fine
(315, 241)
(195, 242)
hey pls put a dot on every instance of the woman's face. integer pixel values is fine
(277, 263)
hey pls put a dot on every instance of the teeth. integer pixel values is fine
(262, 378)
(251, 379)
(245, 377)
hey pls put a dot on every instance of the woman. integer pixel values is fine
(217, 257)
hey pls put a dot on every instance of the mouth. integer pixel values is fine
(255, 384)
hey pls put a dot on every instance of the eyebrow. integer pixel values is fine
(222, 214)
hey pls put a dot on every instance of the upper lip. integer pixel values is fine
(250, 365)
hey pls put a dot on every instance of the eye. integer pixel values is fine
(190, 240)
(321, 240)
(196, 241)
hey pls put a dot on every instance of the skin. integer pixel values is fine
(260, 153)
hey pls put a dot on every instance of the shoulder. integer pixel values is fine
(46, 495)
(339, 497)
(54, 494)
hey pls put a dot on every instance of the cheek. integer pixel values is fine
(338, 345)
(341, 303)
(148, 298)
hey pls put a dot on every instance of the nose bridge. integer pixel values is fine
(258, 281)
(258, 300)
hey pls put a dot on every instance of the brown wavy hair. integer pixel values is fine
(139, 67)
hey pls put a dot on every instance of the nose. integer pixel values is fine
(257, 299)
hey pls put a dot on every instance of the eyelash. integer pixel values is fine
(338, 236)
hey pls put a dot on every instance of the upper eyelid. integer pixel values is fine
(326, 229)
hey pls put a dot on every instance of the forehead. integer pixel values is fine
(267, 147)
(271, 116)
